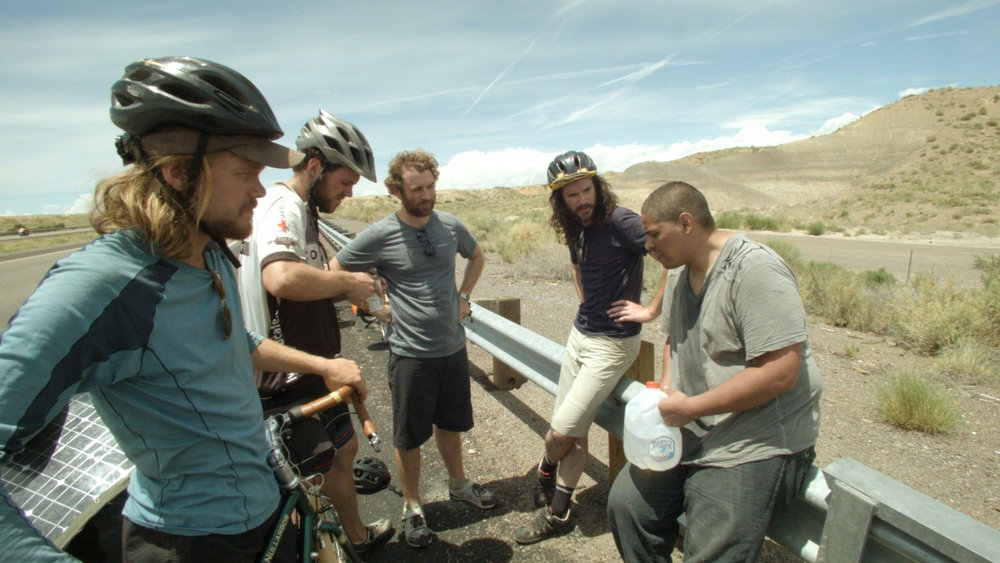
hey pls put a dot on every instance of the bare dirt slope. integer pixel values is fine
(941, 147)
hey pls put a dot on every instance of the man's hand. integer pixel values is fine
(626, 311)
(362, 285)
(339, 372)
(673, 409)
(464, 309)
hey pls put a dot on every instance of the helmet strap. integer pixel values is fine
(311, 202)
(194, 170)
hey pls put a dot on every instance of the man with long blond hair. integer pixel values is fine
(147, 319)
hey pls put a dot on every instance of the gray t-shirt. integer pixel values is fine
(749, 305)
(421, 286)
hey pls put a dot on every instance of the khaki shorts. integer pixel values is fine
(591, 369)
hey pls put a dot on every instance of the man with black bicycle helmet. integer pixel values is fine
(147, 319)
(289, 293)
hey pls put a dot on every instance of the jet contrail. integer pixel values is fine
(499, 76)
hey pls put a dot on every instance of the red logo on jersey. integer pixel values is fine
(283, 226)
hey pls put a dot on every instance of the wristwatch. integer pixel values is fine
(465, 296)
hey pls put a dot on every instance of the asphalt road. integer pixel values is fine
(20, 276)
(904, 260)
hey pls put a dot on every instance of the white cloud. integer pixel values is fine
(913, 91)
(83, 204)
(508, 167)
(835, 123)
(525, 167)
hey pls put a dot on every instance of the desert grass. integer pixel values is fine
(35, 242)
(957, 328)
(10, 223)
(968, 362)
(912, 401)
(38, 225)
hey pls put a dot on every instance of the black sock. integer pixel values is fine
(560, 501)
(546, 467)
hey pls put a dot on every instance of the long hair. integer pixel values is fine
(140, 199)
(566, 224)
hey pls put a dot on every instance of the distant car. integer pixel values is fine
(23, 231)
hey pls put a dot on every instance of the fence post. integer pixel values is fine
(641, 370)
(504, 377)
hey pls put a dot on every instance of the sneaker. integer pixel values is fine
(377, 532)
(545, 489)
(474, 494)
(415, 530)
(543, 525)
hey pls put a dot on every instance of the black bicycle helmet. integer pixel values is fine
(569, 167)
(190, 92)
(371, 475)
(340, 142)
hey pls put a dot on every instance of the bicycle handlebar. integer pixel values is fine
(333, 399)
(321, 404)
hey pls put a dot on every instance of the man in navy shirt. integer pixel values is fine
(606, 247)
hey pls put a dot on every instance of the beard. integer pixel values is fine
(326, 205)
(233, 228)
(418, 208)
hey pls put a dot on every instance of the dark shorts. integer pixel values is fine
(145, 545)
(313, 441)
(429, 392)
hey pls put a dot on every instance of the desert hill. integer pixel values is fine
(926, 164)
(925, 157)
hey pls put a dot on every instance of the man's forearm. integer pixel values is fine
(473, 270)
(273, 356)
(299, 281)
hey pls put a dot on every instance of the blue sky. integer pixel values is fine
(494, 89)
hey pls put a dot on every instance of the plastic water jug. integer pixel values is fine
(649, 443)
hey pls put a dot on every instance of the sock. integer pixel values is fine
(458, 484)
(410, 509)
(546, 467)
(560, 501)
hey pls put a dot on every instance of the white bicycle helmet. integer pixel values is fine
(340, 142)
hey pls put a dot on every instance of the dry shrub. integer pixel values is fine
(911, 401)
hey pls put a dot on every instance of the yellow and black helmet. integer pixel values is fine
(569, 167)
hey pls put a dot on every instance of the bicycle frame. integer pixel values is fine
(320, 520)
(312, 525)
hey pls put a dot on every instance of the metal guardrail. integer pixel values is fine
(846, 512)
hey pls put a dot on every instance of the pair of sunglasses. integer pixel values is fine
(227, 317)
(428, 246)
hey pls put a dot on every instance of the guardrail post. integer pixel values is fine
(504, 377)
(641, 370)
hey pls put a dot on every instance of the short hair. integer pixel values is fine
(419, 160)
(668, 201)
(314, 152)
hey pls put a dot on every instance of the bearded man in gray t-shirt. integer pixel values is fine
(741, 383)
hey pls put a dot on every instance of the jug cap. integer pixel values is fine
(652, 384)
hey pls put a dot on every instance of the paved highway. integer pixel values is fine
(902, 259)
(20, 276)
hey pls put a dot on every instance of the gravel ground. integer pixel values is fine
(960, 469)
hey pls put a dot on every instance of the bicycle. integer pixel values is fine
(321, 535)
